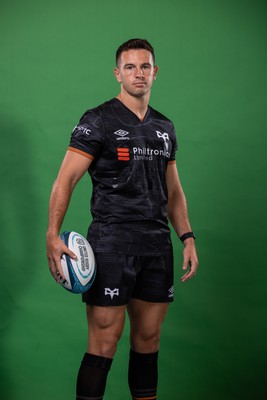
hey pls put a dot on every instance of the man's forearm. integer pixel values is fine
(59, 202)
(178, 214)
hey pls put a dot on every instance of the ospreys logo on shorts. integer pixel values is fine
(111, 293)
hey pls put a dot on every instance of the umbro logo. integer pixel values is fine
(163, 136)
(122, 134)
(111, 293)
(171, 291)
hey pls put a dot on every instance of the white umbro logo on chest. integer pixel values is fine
(121, 133)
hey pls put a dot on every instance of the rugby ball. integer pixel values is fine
(80, 273)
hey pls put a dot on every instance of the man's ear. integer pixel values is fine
(117, 74)
(156, 69)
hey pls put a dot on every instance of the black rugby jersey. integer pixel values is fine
(128, 172)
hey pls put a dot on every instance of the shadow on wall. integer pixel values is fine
(19, 213)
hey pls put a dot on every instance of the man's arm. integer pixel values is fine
(72, 169)
(178, 216)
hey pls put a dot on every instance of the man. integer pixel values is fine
(129, 150)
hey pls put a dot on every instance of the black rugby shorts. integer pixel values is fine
(120, 278)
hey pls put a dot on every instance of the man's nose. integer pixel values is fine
(139, 72)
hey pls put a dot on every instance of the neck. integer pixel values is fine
(138, 105)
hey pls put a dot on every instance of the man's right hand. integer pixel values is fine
(55, 248)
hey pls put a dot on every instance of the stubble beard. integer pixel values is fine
(138, 92)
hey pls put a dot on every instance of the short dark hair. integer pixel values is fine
(135, 44)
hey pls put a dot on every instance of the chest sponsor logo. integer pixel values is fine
(82, 129)
(122, 135)
(146, 153)
(111, 293)
(140, 153)
(123, 154)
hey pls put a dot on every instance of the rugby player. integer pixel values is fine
(128, 148)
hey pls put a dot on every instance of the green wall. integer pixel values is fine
(56, 61)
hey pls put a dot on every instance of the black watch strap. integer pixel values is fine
(187, 235)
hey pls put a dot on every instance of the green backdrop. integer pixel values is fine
(56, 61)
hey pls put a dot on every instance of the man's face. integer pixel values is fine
(136, 72)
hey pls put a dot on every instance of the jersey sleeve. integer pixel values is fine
(174, 146)
(88, 137)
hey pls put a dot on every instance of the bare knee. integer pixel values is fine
(103, 341)
(145, 341)
(146, 320)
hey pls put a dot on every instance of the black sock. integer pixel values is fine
(143, 375)
(92, 377)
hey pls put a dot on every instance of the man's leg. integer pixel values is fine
(105, 326)
(145, 320)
